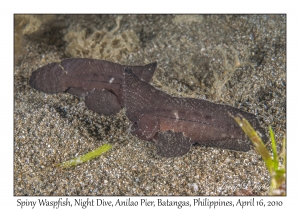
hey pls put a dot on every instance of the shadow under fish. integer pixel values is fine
(99, 82)
(174, 124)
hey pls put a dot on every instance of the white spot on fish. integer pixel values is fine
(223, 135)
(176, 115)
(111, 80)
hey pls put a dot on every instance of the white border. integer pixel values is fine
(8, 8)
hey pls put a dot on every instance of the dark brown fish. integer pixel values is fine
(174, 124)
(98, 81)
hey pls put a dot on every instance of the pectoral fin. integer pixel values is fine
(102, 102)
(172, 144)
(145, 127)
